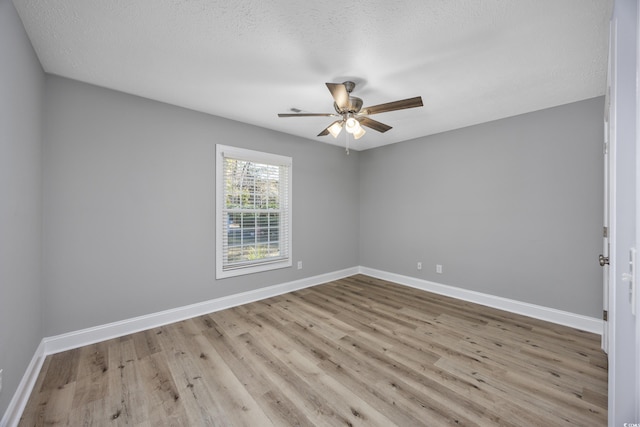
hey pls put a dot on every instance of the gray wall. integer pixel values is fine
(511, 208)
(129, 206)
(21, 97)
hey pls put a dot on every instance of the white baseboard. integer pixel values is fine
(577, 321)
(68, 341)
(95, 334)
(19, 400)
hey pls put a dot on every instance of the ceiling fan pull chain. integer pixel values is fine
(346, 144)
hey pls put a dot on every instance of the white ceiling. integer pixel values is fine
(472, 61)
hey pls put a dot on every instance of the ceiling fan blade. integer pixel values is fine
(373, 124)
(340, 94)
(307, 115)
(392, 106)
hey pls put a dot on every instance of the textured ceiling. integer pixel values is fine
(472, 61)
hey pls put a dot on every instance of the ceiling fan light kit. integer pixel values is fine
(352, 115)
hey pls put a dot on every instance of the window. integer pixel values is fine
(253, 211)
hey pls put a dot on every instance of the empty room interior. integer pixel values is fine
(328, 213)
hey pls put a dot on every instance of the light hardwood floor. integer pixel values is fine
(354, 352)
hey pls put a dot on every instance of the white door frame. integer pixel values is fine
(609, 247)
(609, 273)
(637, 219)
(607, 157)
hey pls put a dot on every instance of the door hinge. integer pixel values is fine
(605, 315)
(605, 232)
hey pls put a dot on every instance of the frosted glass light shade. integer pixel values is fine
(335, 129)
(352, 125)
(359, 133)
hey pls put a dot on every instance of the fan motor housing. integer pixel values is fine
(355, 104)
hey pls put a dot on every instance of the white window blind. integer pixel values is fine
(253, 211)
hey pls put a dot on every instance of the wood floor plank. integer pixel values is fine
(91, 382)
(62, 370)
(333, 358)
(126, 391)
(359, 351)
(279, 408)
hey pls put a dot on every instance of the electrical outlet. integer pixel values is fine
(419, 266)
(439, 268)
(299, 265)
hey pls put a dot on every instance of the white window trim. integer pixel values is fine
(258, 157)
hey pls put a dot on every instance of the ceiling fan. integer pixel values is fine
(352, 116)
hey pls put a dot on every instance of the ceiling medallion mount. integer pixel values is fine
(350, 113)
